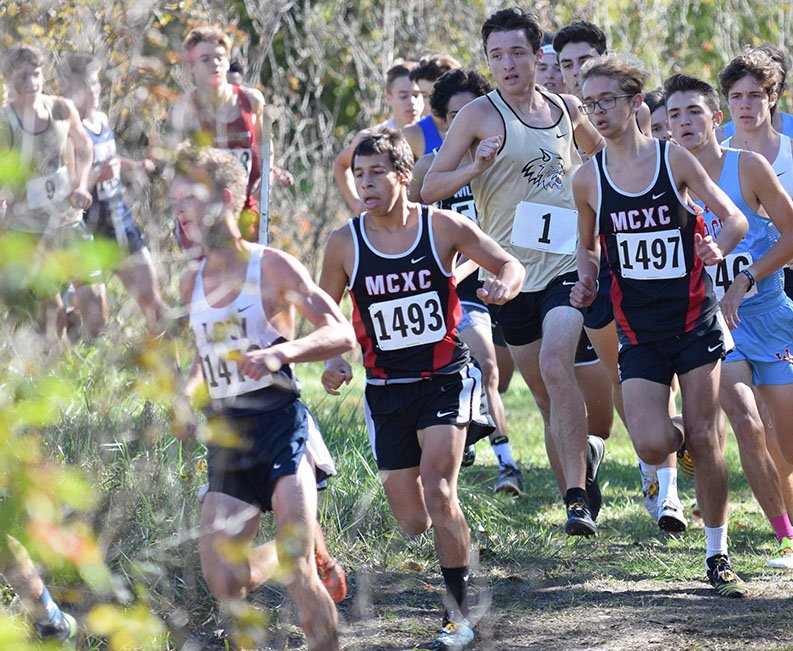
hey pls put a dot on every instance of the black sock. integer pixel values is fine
(575, 495)
(456, 579)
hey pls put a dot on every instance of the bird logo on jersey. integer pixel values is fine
(546, 170)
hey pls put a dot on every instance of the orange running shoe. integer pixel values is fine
(333, 577)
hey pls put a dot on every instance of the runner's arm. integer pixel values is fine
(586, 136)
(417, 177)
(588, 252)
(83, 155)
(446, 176)
(690, 174)
(467, 238)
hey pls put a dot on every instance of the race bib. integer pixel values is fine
(245, 157)
(651, 256)
(545, 228)
(110, 187)
(409, 321)
(467, 208)
(223, 378)
(47, 191)
(724, 273)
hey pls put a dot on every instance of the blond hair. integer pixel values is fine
(207, 34)
(625, 69)
(216, 168)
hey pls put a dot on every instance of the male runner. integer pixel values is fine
(422, 391)
(404, 97)
(451, 92)
(427, 134)
(659, 121)
(634, 194)
(578, 43)
(781, 121)
(242, 302)
(522, 147)
(42, 130)
(549, 74)
(749, 285)
(109, 215)
(221, 115)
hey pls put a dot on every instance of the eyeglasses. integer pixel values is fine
(605, 104)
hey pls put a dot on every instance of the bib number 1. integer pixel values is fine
(545, 228)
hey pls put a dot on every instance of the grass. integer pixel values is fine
(146, 483)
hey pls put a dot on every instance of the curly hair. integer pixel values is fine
(384, 140)
(755, 63)
(453, 83)
(627, 70)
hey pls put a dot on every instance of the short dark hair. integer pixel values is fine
(397, 71)
(453, 83)
(432, 66)
(384, 140)
(235, 65)
(508, 20)
(680, 83)
(580, 31)
(18, 55)
(655, 99)
(777, 55)
(77, 64)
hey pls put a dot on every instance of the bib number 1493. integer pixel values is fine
(409, 321)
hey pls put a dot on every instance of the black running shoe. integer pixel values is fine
(469, 456)
(724, 579)
(596, 450)
(579, 520)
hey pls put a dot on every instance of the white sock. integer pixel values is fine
(503, 452)
(715, 541)
(646, 469)
(667, 484)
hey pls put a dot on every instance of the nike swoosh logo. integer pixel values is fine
(561, 135)
(658, 196)
(417, 260)
(714, 348)
(242, 309)
(443, 414)
(590, 347)
(276, 466)
(567, 282)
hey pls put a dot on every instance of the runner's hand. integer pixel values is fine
(583, 293)
(486, 152)
(732, 299)
(707, 250)
(258, 363)
(493, 291)
(337, 372)
(81, 199)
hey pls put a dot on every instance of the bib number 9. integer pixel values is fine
(651, 256)
(724, 273)
(409, 321)
(44, 191)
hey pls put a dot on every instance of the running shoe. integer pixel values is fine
(596, 450)
(724, 579)
(579, 520)
(469, 456)
(510, 481)
(670, 516)
(63, 631)
(650, 493)
(453, 635)
(333, 577)
(783, 557)
(685, 462)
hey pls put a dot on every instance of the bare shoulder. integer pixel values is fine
(254, 96)
(187, 285)
(62, 107)
(584, 177)
(340, 239)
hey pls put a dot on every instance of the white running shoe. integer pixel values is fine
(670, 516)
